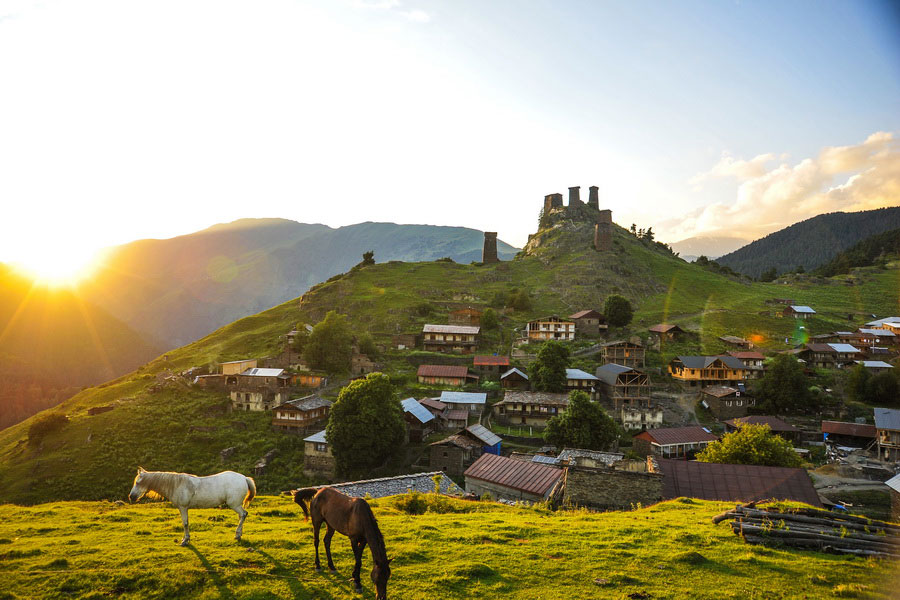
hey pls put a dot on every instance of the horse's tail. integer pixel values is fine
(251, 491)
(301, 495)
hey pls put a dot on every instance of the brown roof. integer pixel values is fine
(718, 391)
(854, 429)
(747, 355)
(734, 483)
(677, 435)
(442, 371)
(460, 441)
(663, 328)
(459, 329)
(490, 360)
(432, 403)
(529, 477)
(820, 348)
(458, 414)
(586, 313)
(774, 423)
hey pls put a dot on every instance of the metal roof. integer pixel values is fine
(734, 483)
(881, 322)
(263, 372)
(529, 477)
(546, 460)
(747, 355)
(412, 406)
(579, 374)
(854, 429)
(318, 438)
(702, 362)
(461, 371)
(666, 436)
(463, 397)
(893, 483)
(610, 372)
(490, 360)
(484, 434)
(459, 414)
(514, 370)
(432, 403)
(310, 402)
(887, 418)
(874, 364)
(234, 362)
(774, 423)
(878, 332)
(844, 348)
(802, 309)
(463, 329)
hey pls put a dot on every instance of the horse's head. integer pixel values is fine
(139, 489)
(380, 575)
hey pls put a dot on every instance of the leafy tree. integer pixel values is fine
(548, 371)
(883, 388)
(784, 387)
(365, 425)
(769, 275)
(634, 229)
(751, 445)
(518, 300)
(329, 347)
(618, 311)
(583, 424)
(489, 319)
(648, 235)
(368, 258)
(799, 269)
(499, 299)
(301, 338)
(46, 424)
(367, 345)
(857, 383)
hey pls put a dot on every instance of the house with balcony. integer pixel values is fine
(529, 408)
(830, 356)
(673, 442)
(295, 416)
(550, 328)
(459, 339)
(708, 370)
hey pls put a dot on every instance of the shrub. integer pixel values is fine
(46, 424)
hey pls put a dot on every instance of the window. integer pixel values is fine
(321, 447)
(445, 454)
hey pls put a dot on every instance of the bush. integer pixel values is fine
(46, 424)
(618, 311)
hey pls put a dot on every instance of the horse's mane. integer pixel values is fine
(373, 533)
(161, 484)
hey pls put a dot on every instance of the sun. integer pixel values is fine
(57, 267)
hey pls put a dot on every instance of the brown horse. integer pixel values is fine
(353, 517)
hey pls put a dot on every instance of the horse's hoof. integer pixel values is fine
(332, 569)
(318, 569)
(359, 590)
(185, 543)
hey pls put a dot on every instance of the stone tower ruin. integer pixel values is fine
(603, 231)
(594, 198)
(489, 252)
(575, 195)
(552, 201)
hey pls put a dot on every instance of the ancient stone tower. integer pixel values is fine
(575, 195)
(603, 231)
(489, 253)
(552, 201)
(594, 198)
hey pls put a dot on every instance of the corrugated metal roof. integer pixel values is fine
(459, 414)
(412, 406)
(854, 429)
(432, 403)
(463, 397)
(874, 364)
(492, 360)
(234, 362)
(579, 374)
(802, 309)
(881, 322)
(461, 329)
(609, 373)
(774, 423)
(702, 362)
(256, 372)
(893, 483)
(666, 436)
(519, 475)
(844, 348)
(484, 434)
(546, 460)
(878, 332)
(514, 370)
(442, 371)
(887, 418)
(735, 483)
(318, 438)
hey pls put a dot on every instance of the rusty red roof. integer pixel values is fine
(774, 423)
(748, 355)
(442, 371)
(854, 429)
(491, 360)
(677, 435)
(458, 414)
(433, 403)
(529, 477)
(735, 483)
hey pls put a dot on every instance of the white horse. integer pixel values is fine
(189, 491)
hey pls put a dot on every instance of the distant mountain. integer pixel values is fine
(866, 253)
(709, 246)
(52, 343)
(180, 289)
(812, 242)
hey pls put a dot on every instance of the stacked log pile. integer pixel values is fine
(814, 529)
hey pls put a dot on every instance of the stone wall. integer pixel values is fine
(609, 489)
(498, 492)
(895, 506)
(318, 465)
(449, 459)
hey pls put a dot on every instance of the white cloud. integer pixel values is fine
(844, 178)
(417, 16)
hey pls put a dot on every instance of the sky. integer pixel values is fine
(122, 120)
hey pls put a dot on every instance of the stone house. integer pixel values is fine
(454, 454)
(404, 341)
(453, 375)
(550, 328)
(666, 331)
(640, 418)
(576, 379)
(621, 352)
(460, 339)
(360, 364)
(673, 442)
(887, 425)
(589, 323)
(707, 370)
(514, 379)
(510, 479)
(419, 420)
(753, 360)
(317, 457)
(398, 484)
(465, 316)
(778, 427)
(295, 416)
(258, 389)
(529, 408)
(490, 365)
(609, 488)
(726, 402)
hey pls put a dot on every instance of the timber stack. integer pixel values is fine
(814, 529)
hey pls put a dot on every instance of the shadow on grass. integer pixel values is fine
(224, 592)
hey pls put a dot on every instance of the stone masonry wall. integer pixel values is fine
(608, 489)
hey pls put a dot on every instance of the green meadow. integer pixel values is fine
(671, 550)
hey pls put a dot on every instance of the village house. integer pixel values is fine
(434, 406)
(491, 365)
(830, 356)
(672, 442)
(510, 479)
(360, 364)
(877, 337)
(490, 441)
(887, 424)
(455, 453)
(753, 360)
(778, 427)
(309, 379)
(628, 390)
(891, 323)
(474, 402)
(465, 316)
(725, 402)
(462, 339)
(589, 323)
(576, 379)
(550, 328)
(529, 408)
(641, 418)
(735, 483)
(874, 366)
(258, 389)
(737, 342)
(455, 418)
(708, 370)
(295, 416)
(514, 379)
(235, 367)
(854, 435)
(419, 420)
(666, 332)
(894, 484)
(579, 457)
(453, 375)
(626, 353)
(317, 457)
(799, 312)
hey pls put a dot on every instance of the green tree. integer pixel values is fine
(618, 311)
(368, 258)
(548, 371)
(769, 275)
(784, 387)
(857, 383)
(367, 345)
(518, 300)
(751, 445)
(366, 424)
(489, 319)
(583, 424)
(330, 344)
(883, 388)
(301, 338)
(648, 235)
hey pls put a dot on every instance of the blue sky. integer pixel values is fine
(156, 119)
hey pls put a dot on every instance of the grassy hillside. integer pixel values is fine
(479, 550)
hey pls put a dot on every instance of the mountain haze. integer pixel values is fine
(708, 246)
